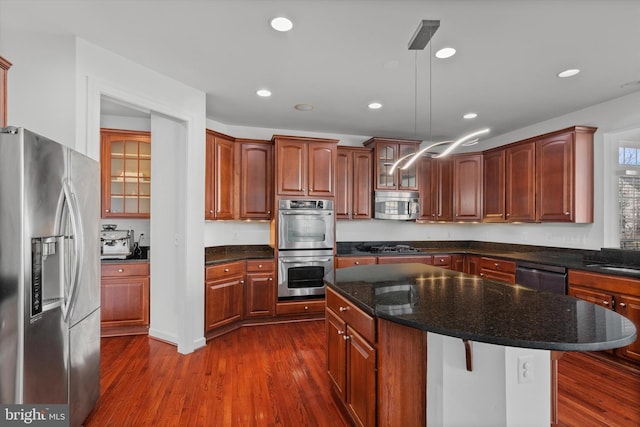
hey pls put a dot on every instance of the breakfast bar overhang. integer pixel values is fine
(486, 348)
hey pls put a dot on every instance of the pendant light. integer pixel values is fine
(425, 31)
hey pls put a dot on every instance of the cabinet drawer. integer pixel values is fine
(257, 265)
(300, 307)
(342, 262)
(498, 265)
(214, 272)
(442, 260)
(352, 315)
(125, 269)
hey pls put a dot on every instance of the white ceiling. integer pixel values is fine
(343, 54)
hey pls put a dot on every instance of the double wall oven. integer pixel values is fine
(305, 246)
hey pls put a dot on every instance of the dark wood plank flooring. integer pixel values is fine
(275, 375)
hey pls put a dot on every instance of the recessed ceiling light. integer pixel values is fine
(470, 115)
(568, 73)
(303, 107)
(445, 52)
(264, 92)
(281, 24)
(375, 105)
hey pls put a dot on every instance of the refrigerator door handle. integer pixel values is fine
(77, 239)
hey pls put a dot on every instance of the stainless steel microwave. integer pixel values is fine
(398, 205)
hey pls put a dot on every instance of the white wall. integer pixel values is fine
(610, 118)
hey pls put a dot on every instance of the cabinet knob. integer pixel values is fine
(226, 270)
(345, 337)
(343, 309)
(340, 332)
(211, 211)
(107, 210)
(623, 305)
(357, 263)
(481, 274)
(508, 215)
(495, 264)
(566, 213)
(120, 270)
(259, 265)
(242, 282)
(605, 302)
(306, 307)
(271, 279)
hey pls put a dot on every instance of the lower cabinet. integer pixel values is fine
(351, 358)
(617, 293)
(224, 292)
(260, 298)
(124, 299)
(472, 264)
(498, 269)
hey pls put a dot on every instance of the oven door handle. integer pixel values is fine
(307, 213)
(297, 261)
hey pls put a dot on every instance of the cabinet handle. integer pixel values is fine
(120, 270)
(508, 215)
(271, 279)
(345, 337)
(605, 302)
(357, 263)
(211, 211)
(107, 210)
(226, 270)
(481, 274)
(566, 213)
(343, 309)
(623, 305)
(306, 307)
(340, 332)
(242, 282)
(259, 265)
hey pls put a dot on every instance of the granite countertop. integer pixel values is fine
(586, 260)
(470, 307)
(222, 254)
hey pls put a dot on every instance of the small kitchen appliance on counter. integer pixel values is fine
(115, 244)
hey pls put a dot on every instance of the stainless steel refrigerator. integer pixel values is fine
(49, 274)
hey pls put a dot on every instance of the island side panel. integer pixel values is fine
(402, 375)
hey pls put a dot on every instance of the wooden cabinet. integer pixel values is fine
(256, 179)
(4, 71)
(239, 178)
(467, 187)
(305, 166)
(353, 183)
(387, 152)
(618, 293)
(472, 264)
(352, 261)
(436, 189)
(564, 165)
(125, 164)
(220, 169)
(224, 293)
(124, 299)
(260, 298)
(402, 259)
(351, 358)
(493, 182)
(498, 269)
(520, 182)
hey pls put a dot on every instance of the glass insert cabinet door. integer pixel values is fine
(401, 179)
(126, 173)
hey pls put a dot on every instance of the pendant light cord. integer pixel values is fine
(415, 94)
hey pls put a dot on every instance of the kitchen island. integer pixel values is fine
(487, 346)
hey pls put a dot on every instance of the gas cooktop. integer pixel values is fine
(376, 249)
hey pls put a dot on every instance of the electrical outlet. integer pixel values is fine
(525, 369)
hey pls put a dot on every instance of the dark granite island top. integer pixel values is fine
(472, 308)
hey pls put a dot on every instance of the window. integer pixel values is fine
(628, 171)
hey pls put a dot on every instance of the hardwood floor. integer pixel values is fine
(275, 375)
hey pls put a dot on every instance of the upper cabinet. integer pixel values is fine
(125, 163)
(219, 184)
(436, 189)
(256, 179)
(564, 166)
(467, 187)
(353, 183)
(386, 153)
(4, 71)
(305, 166)
(547, 178)
(239, 178)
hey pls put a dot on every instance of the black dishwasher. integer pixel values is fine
(550, 278)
